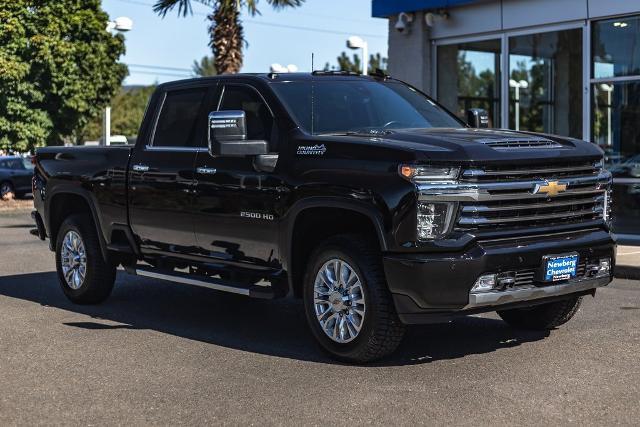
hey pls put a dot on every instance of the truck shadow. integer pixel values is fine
(276, 328)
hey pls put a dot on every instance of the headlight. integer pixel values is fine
(599, 165)
(428, 174)
(433, 219)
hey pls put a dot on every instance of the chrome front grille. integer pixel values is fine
(511, 196)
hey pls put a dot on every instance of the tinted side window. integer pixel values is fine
(178, 119)
(258, 116)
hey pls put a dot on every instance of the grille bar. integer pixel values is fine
(545, 205)
(481, 173)
(527, 218)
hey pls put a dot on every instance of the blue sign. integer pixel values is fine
(561, 268)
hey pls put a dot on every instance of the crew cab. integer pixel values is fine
(358, 194)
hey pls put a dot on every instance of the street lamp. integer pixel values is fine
(609, 89)
(355, 42)
(121, 24)
(522, 84)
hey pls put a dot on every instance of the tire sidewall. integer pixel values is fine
(10, 194)
(319, 258)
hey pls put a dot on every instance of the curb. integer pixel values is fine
(627, 272)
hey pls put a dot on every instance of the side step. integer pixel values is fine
(253, 291)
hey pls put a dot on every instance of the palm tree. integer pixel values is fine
(227, 39)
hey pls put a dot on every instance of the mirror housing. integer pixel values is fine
(478, 118)
(227, 134)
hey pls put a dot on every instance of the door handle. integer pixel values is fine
(141, 168)
(206, 171)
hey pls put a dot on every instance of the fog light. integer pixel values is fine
(486, 282)
(604, 267)
(433, 220)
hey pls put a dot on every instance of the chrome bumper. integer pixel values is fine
(497, 298)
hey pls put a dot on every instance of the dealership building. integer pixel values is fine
(566, 67)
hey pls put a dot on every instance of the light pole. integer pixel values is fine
(609, 89)
(121, 24)
(522, 84)
(355, 42)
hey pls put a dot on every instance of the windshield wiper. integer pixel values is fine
(362, 132)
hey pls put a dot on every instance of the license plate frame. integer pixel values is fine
(565, 267)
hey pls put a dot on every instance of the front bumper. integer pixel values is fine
(437, 286)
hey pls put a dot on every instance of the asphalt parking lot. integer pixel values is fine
(162, 354)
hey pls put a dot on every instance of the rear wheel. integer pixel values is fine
(84, 275)
(7, 191)
(347, 302)
(543, 316)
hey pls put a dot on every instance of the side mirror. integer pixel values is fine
(478, 118)
(228, 135)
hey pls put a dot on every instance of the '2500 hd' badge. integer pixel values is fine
(257, 215)
(311, 150)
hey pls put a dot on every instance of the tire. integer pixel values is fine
(544, 316)
(96, 284)
(7, 191)
(380, 330)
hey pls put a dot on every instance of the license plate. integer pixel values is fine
(561, 267)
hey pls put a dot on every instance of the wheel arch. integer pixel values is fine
(68, 201)
(342, 215)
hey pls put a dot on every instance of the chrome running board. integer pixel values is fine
(254, 291)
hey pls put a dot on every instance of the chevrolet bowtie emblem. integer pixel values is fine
(550, 188)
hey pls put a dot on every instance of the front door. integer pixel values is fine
(236, 206)
(161, 176)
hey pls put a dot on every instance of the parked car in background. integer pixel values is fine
(15, 176)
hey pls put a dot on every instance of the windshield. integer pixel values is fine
(345, 106)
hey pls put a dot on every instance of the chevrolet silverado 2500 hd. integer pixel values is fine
(360, 195)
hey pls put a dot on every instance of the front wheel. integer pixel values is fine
(543, 316)
(348, 305)
(7, 191)
(84, 275)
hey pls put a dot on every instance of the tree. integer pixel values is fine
(127, 109)
(205, 68)
(225, 28)
(354, 64)
(58, 68)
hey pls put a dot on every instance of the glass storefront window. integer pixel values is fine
(616, 47)
(476, 83)
(615, 114)
(545, 82)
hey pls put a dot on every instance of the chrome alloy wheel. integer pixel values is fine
(73, 259)
(338, 299)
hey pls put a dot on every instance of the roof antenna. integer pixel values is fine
(312, 96)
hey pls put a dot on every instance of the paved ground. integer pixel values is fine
(169, 354)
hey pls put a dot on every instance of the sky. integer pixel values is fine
(287, 37)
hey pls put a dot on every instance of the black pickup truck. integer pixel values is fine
(360, 195)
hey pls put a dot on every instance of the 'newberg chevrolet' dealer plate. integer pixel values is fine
(560, 267)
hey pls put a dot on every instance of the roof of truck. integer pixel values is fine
(274, 77)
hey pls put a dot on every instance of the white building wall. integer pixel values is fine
(409, 52)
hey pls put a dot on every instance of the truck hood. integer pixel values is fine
(479, 145)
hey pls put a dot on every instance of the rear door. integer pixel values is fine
(161, 175)
(237, 207)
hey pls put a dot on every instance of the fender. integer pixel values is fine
(88, 197)
(289, 220)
